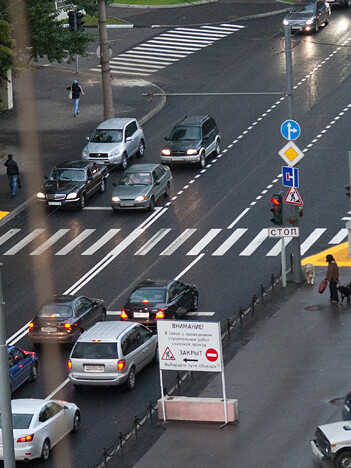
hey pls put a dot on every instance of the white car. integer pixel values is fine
(38, 425)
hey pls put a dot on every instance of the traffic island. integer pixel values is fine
(184, 408)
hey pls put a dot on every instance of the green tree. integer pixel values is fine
(6, 53)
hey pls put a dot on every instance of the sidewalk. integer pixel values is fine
(291, 376)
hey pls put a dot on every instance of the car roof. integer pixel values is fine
(62, 299)
(141, 168)
(10, 347)
(113, 124)
(106, 331)
(80, 164)
(27, 405)
(153, 283)
(193, 120)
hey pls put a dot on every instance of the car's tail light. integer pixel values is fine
(27, 438)
(69, 364)
(160, 314)
(121, 364)
(124, 314)
(31, 326)
(68, 326)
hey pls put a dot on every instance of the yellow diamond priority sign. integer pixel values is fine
(291, 153)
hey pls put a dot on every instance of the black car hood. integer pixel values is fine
(182, 145)
(61, 186)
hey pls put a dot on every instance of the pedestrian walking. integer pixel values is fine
(74, 93)
(12, 173)
(333, 278)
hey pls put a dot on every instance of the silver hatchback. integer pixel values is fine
(111, 353)
(114, 141)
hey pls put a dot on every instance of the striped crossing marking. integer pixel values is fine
(101, 242)
(27, 240)
(75, 242)
(5, 237)
(166, 48)
(178, 242)
(197, 249)
(229, 242)
(51, 241)
(255, 243)
(152, 242)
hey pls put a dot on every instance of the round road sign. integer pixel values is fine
(211, 355)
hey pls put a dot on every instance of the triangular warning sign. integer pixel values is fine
(167, 355)
(293, 197)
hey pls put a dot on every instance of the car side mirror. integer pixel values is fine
(128, 139)
(87, 138)
(157, 183)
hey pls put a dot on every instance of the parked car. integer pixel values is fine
(333, 442)
(71, 183)
(191, 141)
(23, 366)
(141, 186)
(308, 15)
(114, 141)
(38, 425)
(111, 353)
(154, 300)
(342, 3)
(65, 318)
(346, 409)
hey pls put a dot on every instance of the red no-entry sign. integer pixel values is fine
(211, 355)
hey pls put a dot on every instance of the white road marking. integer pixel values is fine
(311, 239)
(5, 237)
(189, 266)
(200, 314)
(76, 241)
(339, 237)
(101, 242)
(24, 242)
(57, 389)
(204, 242)
(50, 242)
(238, 218)
(153, 241)
(229, 242)
(178, 242)
(255, 243)
(278, 247)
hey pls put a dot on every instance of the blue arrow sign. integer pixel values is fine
(290, 130)
(290, 176)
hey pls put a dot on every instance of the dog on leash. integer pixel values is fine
(309, 273)
(345, 291)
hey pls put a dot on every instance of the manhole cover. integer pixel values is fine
(316, 307)
(337, 401)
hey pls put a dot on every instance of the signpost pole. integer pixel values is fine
(283, 263)
(162, 397)
(223, 384)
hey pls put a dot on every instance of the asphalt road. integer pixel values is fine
(227, 202)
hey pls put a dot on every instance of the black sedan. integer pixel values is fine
(71, 183)
(65, 318)
(153, 300)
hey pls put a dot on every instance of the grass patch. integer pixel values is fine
(153, 2)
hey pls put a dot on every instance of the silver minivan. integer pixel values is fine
(111, 353)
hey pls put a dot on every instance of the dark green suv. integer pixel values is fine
(191, 141)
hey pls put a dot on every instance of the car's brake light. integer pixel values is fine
(124, 314)
(160, 314)
(68, 327)
(27, 438)
(31, 326)
(69, 364)
(121, 364)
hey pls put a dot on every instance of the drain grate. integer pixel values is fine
(337, 401)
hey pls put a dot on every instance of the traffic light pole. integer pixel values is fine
(105, 63)
(290, 95)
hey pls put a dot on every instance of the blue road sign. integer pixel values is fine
(290, 130)
(290, 176)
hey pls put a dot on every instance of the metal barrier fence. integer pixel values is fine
(232, 322)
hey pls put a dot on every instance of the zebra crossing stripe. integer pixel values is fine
(178, 242)
(20, 245)
(76, 241)
(101, 242)
(255, 243)
(311, 239)
(278, 247)
(5, 237)
(229, 242)
(339, 237)
(51, 241)
(153, 241)
(196, 250)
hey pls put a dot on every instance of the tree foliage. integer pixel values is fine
(6, 53)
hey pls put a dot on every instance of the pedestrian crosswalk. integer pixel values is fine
(165, 242)
(167, 48)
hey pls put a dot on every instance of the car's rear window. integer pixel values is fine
(55, 310)
(20, 421)
(95, 350)
(148, 295)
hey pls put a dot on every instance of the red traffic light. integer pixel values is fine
(275, 201)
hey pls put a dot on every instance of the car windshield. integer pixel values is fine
(95, 350)
(67, 174)
(107, 136)
(20, 421)
(185, 133)
(55, 310)
(146, 295)
(303, 9)
(136, 178)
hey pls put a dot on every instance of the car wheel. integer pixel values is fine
(131, 379)
(34, 374)
(76, 422)
(152, 204)
(168, 188)
(124, 162)
(45, 451)
(102, 185)
(195, 303)
(343, 460)
(141, 149)
(218, 147)
(103, 315)
(316, 26)
(82, 202)
(202, 159)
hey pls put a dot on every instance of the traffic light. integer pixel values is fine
(347, 190)
(277, 209)
(79, 21)
(72, 20)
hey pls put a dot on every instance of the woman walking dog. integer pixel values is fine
(333, 278)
